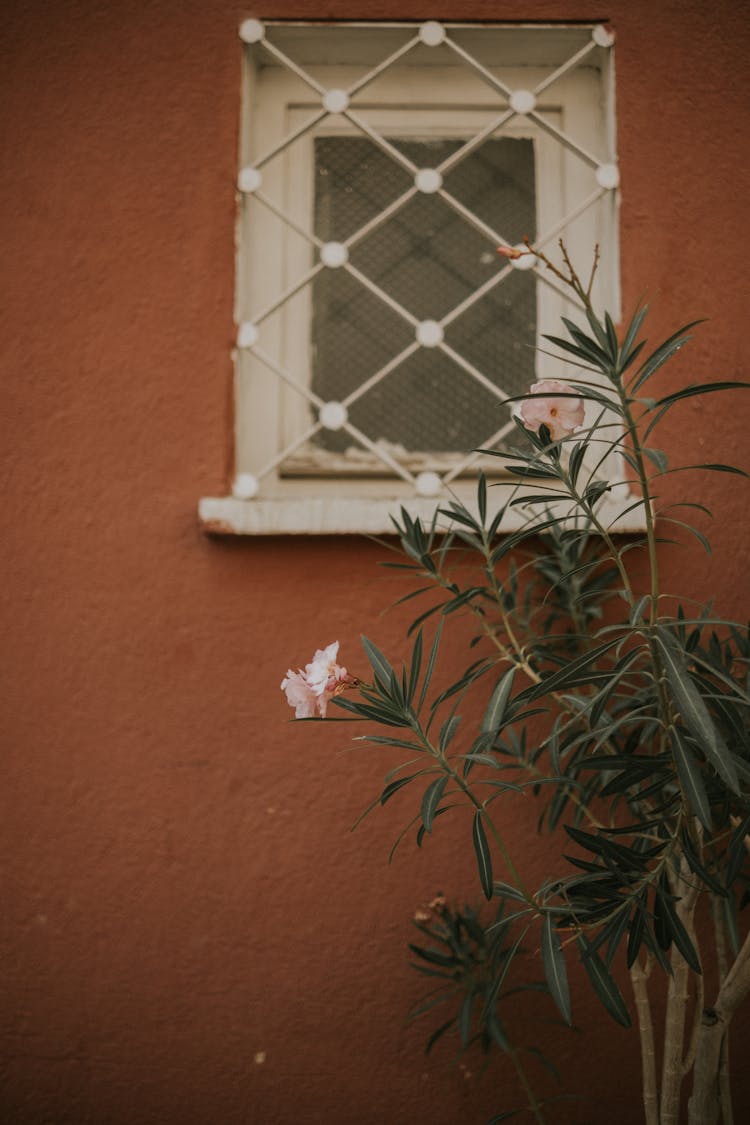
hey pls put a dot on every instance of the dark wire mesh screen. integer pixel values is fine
(429, 259)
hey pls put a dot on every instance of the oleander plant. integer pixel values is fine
(620, 705)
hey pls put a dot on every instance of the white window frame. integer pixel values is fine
(447, 103)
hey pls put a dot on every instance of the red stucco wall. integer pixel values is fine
(182, 895)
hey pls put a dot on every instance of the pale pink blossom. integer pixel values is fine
(310, 692)
(562, 416)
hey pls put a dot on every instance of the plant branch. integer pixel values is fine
(639, 981)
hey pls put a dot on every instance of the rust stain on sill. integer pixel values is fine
(218, 527)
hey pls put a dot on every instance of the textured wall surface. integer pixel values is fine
(190, 934)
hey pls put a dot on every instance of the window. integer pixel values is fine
(379, 333)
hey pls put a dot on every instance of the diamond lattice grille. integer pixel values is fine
(429, 259)
(392, 326)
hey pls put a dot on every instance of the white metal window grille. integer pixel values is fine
(379, 334)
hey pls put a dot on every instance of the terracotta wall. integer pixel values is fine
(190, 934)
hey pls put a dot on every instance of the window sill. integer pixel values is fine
(226, 515)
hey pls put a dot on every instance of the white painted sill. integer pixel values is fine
(227, 515)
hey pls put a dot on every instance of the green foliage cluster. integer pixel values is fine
(622, 707)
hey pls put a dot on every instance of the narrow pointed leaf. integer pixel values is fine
(464, 1018)
(560, 680)
(658, 458)
(430, 665)
(695, 715)
(484, 859)
(630, 336)
(394, 786)
(438, 1033)
(482, 498)
(701, 389)
(554, 968)
(662, 354)
(380, 665)
(498, 703)
(415, 667)
(677, 930)
(635, 936)
(447, 731)
(431, 799)
(689, 772)
(604, 984)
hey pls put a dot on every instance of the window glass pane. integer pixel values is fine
(429, 259)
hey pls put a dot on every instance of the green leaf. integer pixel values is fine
(596, 354)
(380, 665)
(484, 859)
(496, 1031)
(635, 936)
(701, 389)
(675, 927)
(612, 345)
(658, 458)
(627, 354)
(594, 491)
(387, 717)
(464, 1018)
(576, 460)
(604, 984)
(438, 1033)
(560, 680)
(584, 353)
(431, 799)
(394, 786)
(712, 467)
(693, 711)
(482, 497)
(554, 968)
(496, 708)
(415, 668)
(662, 354)
(505, 890)
(689, 772)
(430, 665)
(386, 740)
(447, 731)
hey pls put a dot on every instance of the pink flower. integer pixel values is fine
(562, 416)
(310, 691)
